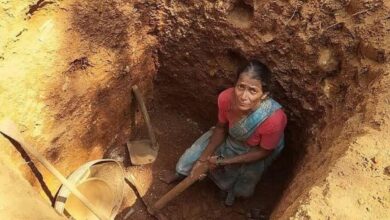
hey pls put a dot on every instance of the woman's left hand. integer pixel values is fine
(213, 162)
(199, 169)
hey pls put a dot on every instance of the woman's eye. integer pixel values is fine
(241, 87)
(253, 91)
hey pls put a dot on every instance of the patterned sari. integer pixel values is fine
(239, 179)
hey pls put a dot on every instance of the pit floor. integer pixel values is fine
(175, 133)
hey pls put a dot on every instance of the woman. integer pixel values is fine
(244, 142)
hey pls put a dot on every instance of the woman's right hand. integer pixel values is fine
(212, 162)
(199, 169)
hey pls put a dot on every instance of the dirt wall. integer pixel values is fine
(19, 200)
(326, 57)
(67, 68)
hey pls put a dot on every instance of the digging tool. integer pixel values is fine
(132, 182)
(9, 129)
(179, 188)
(143, 151)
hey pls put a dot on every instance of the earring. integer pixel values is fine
(265, 96)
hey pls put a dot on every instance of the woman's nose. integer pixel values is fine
(245, 95)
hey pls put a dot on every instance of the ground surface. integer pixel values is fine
(65, 76)
(16, 194)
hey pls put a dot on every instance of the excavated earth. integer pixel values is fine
(67, 68)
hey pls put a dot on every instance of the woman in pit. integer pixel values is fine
(248, 136)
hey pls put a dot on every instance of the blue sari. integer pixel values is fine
(239, 179)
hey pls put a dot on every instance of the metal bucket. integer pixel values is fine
(101, 181)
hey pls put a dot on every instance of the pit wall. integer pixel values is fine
(321, 59)
(19, 200)
(67, 68)
(355, 185)
(328, 60)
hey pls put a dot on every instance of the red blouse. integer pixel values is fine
(267, 134)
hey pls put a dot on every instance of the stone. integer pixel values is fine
(327, 61)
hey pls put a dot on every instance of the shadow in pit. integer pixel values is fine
(32, 166)
(275, 179)
(126, 213)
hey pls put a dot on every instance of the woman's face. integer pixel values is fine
(248, 92)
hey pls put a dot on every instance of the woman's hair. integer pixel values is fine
(258, 71)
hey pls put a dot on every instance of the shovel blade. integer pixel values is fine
(141, 152)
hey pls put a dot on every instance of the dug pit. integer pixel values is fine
(328, 61)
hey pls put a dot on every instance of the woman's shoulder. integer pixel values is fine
(226, 94)
(275, 122)
(224, 98)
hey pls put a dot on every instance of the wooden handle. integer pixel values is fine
(141, 103)
(179, 188)
(9, 129)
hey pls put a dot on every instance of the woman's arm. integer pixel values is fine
(216, 139)
(251, 156)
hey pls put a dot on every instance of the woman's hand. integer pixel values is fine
(215, 161)
(254, 154)
(199, 169)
